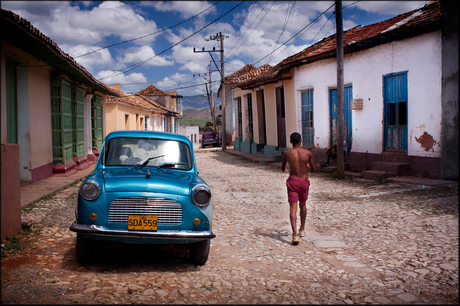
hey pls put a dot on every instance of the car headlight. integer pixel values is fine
(201, 196)
(89, 190)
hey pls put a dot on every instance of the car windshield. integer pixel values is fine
(144, 152)
(207, 135)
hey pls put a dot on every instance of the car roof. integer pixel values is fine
(147, 134)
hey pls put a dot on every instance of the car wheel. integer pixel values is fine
(199, 252)
(84, 249)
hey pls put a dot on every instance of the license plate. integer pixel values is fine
(141, 223)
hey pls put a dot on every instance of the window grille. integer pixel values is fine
(308, 131)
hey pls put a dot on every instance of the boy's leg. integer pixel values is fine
(303, 215)
(293, 217)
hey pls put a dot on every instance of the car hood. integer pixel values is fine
(136, 180)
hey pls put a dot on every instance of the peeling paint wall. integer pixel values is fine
(419, 56)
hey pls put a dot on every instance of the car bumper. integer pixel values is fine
(103, 231)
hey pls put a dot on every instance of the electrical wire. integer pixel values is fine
(147, 35)
(311, 40)
(126, 41)
(295, 34)
(254, 28)
(134, 66)
(286, 20)
(232, 47)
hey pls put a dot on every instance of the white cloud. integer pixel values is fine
(137, 55)
(187, 84)
(66, 23)
(233, 66)
(101, 59)
(186, 9)
(389, 7)
(128, 81)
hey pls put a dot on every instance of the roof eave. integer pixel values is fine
(31, 44)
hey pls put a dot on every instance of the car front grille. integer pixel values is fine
(167, 211)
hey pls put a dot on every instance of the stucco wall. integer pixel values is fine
(191, 132)
(290, 96)
(242, 94)
(270, 113)
(111, 115)
(34, 109)
(41, 143)
(419, 56)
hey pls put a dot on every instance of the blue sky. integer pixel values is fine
(138, 43)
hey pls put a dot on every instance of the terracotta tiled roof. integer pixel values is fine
(139, 100)
(151, 91)
(135, 100)
(248, 73)
(402, 26)
(27, 27)
(406, 25)
(231, 79)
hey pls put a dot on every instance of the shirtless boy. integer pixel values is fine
(299, 160)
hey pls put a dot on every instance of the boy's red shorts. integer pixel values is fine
(297, 189)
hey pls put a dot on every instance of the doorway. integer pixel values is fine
(348, 131)
(395, 112)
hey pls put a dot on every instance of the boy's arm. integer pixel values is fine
(283, 164)
(311, 163)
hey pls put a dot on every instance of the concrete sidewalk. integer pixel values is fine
(399, 179)
(34, 192)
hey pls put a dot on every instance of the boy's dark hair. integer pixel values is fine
(295, 138)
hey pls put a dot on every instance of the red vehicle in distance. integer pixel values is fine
(209, 138)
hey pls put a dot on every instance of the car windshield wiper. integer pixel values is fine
(144, 162)
(167, 165)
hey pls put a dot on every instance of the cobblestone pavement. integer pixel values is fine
(366, 243)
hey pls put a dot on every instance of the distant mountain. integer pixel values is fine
(197, 102)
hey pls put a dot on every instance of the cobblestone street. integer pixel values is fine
(367, 243)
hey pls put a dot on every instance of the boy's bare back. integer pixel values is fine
(299, 160)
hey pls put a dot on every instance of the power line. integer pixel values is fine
(247, 28)
(254, 29)
(126, 41)
(314, 38)
(295, 34)
(286, 20)
(134, 66)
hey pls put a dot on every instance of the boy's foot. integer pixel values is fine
(295, 240)
(302, 233)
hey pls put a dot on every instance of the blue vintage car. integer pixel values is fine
(145, 188)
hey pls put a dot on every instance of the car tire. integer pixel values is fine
(199, 252)
(84, 249)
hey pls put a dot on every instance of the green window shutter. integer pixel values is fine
(11, 103)
(78, 121)
(96, 117)
(61, 120)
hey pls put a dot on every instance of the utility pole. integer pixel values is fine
(340, 89)
(222, 84)
(222, 81)
(213, 109)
